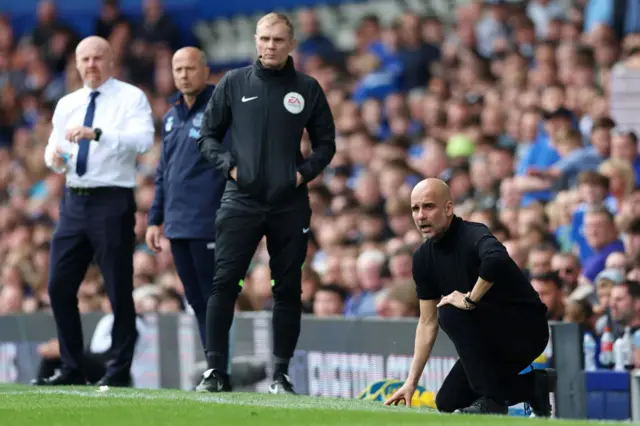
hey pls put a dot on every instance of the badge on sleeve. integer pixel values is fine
(294, 102)
(168, 125)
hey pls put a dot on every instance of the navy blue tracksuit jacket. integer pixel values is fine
(188, 189)
(187, 197)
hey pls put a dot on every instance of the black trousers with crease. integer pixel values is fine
(239, 229)
(96, 225)
(194, 260)
(494, 345)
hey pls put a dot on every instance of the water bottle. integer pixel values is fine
(626, 348)
(636, 349)
(606, 348)
(618, 354)
(589, 345)
(623, 351)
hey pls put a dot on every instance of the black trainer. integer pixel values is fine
(282, 385)
(484, 406)
(61, 378)
(214, 381)
(544, 383)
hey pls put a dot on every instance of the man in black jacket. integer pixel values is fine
(188, 188)
(470, 287)
(266, 107)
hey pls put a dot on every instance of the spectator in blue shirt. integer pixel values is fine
(622, 16)
(314, 42)
(540, 157)
(575, 159)
(592, 188)
(417, 56)
(381, 68)
(602, 237)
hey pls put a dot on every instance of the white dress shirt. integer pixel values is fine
(123, 114)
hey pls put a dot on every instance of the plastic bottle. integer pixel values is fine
(589, 345)
(627, 349)
(636, 349)
(618, 354)
(623, 351)
(606, 349)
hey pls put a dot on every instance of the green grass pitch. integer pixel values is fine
(87, 406)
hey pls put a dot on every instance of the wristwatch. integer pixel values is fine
(470, 303)
(98, 133)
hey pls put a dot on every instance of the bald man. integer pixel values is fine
(98, 132)
(187, 188)
(468, 284)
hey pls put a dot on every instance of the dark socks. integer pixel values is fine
(280, 366)
(219, 318)
(286, 329)
(217, 361)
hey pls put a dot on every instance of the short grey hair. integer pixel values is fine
(370, 257)
(273, 17)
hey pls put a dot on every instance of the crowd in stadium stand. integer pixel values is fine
(530, 114)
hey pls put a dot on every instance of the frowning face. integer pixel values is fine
(274, 43)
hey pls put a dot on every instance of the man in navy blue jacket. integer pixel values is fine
(188, 188)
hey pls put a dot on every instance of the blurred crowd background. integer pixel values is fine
(530, 111)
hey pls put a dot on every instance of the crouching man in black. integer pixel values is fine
(470, 287)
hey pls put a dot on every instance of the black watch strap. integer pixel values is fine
(470, 302)
(98, 134)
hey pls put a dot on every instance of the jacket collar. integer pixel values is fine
(287, 72)
(177, 99)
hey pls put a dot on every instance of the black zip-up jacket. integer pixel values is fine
(266, 112)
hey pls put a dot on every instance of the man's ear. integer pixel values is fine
(449, 208)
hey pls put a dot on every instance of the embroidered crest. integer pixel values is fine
(194, 133)
(197, 120)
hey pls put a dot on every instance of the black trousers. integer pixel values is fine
(95, 365)
(195, 263)
(239, 229)
(95, 225)
(494, 346)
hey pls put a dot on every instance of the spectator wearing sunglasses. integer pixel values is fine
(567, 266)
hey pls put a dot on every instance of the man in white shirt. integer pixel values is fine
(98, 131)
